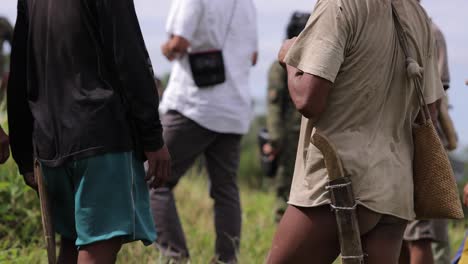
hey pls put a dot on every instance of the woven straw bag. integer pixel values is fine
(435, 188)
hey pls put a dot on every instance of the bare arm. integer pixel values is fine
(254, 58)
(308, 92)
(4, 146)
(465, 196)
(175, 47)
(433, 110)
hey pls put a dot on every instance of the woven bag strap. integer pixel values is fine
(413, 69)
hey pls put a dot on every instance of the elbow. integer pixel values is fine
(310, 110)
(310, 95)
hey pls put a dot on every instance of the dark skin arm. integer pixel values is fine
(4, 146)
(465, 196)
(178, 46)
(308, 92)
(434, 112)
(254, 58)
(175, 47)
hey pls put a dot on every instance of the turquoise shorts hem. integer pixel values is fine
(126, 236)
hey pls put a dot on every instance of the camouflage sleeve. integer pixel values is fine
(277, 91)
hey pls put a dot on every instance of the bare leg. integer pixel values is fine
(421, 252)
(104, 252)
(404, 255)
(383, 243)
(68, 252)
(305, 234)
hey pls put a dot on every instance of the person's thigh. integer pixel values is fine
(305, 235)
(185, 140)
(222, 159)
(383, 243)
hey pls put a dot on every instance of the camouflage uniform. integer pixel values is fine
(283, 123)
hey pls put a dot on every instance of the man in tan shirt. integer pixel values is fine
(347, 76)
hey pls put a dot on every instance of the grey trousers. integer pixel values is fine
(186, 140)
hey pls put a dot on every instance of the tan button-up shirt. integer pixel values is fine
(372, 104)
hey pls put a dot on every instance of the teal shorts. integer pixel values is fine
(100, 198)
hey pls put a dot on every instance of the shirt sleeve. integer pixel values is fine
(433, 88)
(20, 119)
(442, 57)
(125, 49)
(320, 48)
(184, 18)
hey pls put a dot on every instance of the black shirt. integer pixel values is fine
(81, 82)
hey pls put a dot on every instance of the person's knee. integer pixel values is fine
(100, 252)
(421, 245)
(224, 192)
(68, 251)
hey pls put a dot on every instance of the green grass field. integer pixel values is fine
(197, 217)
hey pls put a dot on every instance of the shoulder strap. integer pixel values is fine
(228, 29)
(414, 70)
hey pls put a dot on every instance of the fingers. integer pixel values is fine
(152, 177)
(159, 167)
(30, 181)
(4, 151)
(161, 174)
(149, 171)
(465, 195)
(3, 156)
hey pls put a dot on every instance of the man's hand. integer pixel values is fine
(254, 58)
(465, 196)
(175, 47)
(30, 180)
(166, 51)
(159, 167)
(285, 49)
(4, 147)
(269, 151)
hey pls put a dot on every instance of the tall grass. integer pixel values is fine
(20, 215)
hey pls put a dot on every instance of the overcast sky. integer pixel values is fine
(450, 15)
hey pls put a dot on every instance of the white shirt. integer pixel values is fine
(223, 108)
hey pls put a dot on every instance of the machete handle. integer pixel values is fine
(333, 162)
(46, 214)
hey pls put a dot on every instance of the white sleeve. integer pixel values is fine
(184, 18)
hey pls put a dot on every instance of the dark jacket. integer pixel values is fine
(81, 82)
